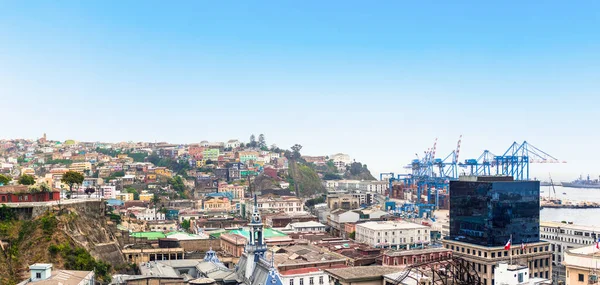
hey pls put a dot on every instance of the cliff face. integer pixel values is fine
(75, 236)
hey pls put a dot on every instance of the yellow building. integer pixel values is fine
(124, 197)
(80, 167)
(581, 265)
(122, 156)
(146, 197)
(162, 171)
(217, 204)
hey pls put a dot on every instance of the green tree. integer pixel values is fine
(261, 141)
(136, 194)
(252, 142)
(296, 151)
(352, 235)
(4, 179)
(72, 178)
(185, 225)
(177, 183)
(26, 179)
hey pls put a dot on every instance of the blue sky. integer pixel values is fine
(379, 81)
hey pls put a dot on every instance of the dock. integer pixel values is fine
(565, 204)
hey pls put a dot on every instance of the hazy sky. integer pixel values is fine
(377, 80)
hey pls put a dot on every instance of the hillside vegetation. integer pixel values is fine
(49, 238)
(304, 179)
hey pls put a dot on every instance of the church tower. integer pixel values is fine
(256, 244)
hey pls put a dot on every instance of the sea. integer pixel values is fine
(584, 217)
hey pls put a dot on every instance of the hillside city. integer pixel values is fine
(246, 213)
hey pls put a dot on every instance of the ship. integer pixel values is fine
(583, 183)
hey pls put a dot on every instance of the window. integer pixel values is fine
(311, 281)
(301, 281)
(38, 275)
(493, 254)
(580, 277)
(320, 279)
(291, 281)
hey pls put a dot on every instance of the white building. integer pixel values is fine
(513, 274)
(290, 205)
(380, 187)
(392, 234)
(563, 237)
(304, 227)
(340, 160)
(304, 276)
(147, 214)
(233, 144)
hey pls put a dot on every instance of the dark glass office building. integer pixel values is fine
(488, 210)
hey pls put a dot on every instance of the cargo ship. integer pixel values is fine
(583, 183)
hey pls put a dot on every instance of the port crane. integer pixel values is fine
(429, 173)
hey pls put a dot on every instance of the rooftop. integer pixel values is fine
(416, 251)
(62, 277)
(301, 254)
(267, 233)
(309, 224)
(148, 235)
(569, 226)
(391, 225)
(361, 273)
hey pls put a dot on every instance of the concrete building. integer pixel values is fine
(362, 275)
(305, 227)
(42, 274)
(134, 255)
(404, 258)
(563, 237)
(380, 187)
(582, 266)
(304, 276)
(342, 201)
(290, 205)
(392, 234)
(514, 274)
(338, 218)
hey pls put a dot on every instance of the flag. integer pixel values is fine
(523, 246)
(598, 243)
(507, 246)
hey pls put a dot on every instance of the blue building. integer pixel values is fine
(489, 210)
(253, 268)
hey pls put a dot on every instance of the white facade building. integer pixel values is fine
(290, 205)
(304, 276)
(392, 234)
(147, 214)
(563, 237)
(505, 274)
(380, 187)
(304, 227)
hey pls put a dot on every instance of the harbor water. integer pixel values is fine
(585, 217)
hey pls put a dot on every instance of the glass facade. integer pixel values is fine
(487, 213)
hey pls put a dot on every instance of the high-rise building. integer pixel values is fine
(495, 220)
(487, 211)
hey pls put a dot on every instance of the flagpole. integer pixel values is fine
(510, 250)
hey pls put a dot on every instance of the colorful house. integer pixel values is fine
(211, 154)
(21, 193)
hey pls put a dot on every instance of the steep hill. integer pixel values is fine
(74, 237)
(304, 179)
(358, 171)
